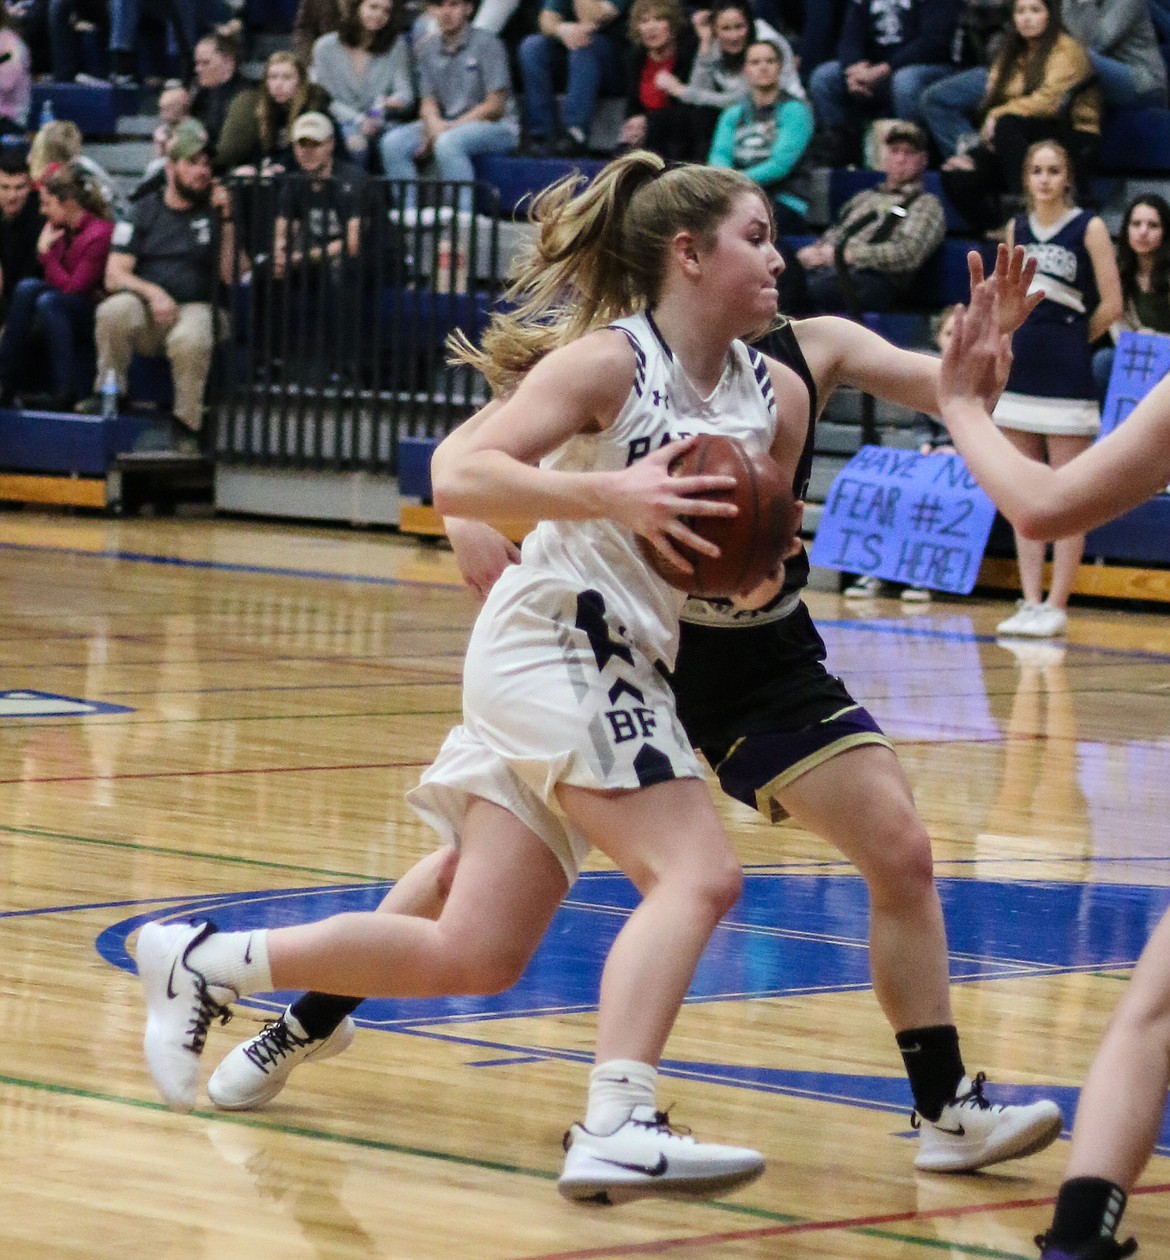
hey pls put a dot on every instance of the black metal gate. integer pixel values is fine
(343, 297)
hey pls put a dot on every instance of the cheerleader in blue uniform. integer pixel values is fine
(1049, 410)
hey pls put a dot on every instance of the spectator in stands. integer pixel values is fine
(313, 19)
(661, 42)
(465, 107)
(870, 258)
(1049, 410)
(178, 16)
(316, 238)
(820, 33)
(166, 259)
(255, 133)
(47, 27)
(717, 78)
(58, 143)
(1123, 48)
(589, 36)
(887, 56)
(366, 67)
(1143, 263)
(20, 225)
(217, 76)
(766, 135)
(319, 220)
(15, 76)
(72, 249)
(1041, 86)
(174, 104)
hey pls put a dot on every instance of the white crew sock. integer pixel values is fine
(615, 1089)
(234, 960)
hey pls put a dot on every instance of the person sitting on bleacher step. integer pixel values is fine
(590, 35)
(162, 277)
(73, 247)
(871, 257)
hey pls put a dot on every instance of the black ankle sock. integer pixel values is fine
(1086, 1208)
(934, 1066)
(320, 1013)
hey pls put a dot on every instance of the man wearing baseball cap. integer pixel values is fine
(165, 259)
(869, 259)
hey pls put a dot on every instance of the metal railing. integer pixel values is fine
(338, 312)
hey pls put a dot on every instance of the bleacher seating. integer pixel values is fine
(1136, 141)
(94, 107)
(64, 443)
(518, 179)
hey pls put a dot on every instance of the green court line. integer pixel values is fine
(161, 850)
(464, 1161)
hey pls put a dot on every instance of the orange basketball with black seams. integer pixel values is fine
(754, 541)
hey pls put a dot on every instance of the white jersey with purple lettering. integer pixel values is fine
(563, 678)
(663, 406)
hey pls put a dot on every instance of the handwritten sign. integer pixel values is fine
(1140, 362)
(906, 517)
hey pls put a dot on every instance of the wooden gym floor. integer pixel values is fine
(223, 716)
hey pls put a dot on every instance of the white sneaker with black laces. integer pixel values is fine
(973, 1132)
(646, 1157)
(257, 1069)
(180, 1006)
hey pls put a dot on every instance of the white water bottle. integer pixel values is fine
(110, 395)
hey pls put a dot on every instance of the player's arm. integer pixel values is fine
(842, 353)
(489, 470)
(481, 552)
(1115, 474)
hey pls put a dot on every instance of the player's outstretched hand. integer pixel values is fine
(650, 501)
(977, 358)
(1011, 279)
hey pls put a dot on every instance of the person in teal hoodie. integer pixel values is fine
(765, 136)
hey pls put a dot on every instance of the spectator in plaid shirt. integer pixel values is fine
(870, 258)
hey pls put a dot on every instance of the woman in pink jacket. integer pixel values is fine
(72, 250)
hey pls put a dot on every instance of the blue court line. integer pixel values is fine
(223, 566)
(326, 575)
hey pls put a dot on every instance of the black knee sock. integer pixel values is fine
(320, 1013)
(934, 1066)
(1086, 1208)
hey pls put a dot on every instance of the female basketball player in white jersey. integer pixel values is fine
(569, 737)
(802, 747)
(1121, 1105)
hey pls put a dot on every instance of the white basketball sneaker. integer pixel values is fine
(257, 1069)
(646, 1157)
(973, 1132)
(180, 1006)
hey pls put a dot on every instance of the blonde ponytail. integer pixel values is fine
(599, 254)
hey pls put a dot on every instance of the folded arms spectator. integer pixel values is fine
(887, 56)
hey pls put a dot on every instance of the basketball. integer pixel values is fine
(753, 542)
